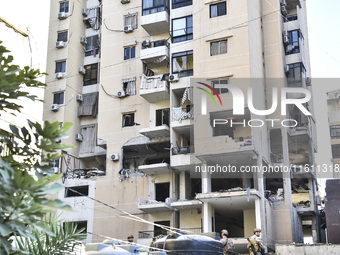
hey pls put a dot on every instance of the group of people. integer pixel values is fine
(254, 246)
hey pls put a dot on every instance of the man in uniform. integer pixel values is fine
(228, 246)
(255, 246)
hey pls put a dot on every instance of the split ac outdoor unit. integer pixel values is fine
(59, 75)
(128, 29)
(308, 81)
(81, 70)
(83, 40)
(80, 98)
(79, 137)
(54, 107)
(284, 9)
(121, 94)
(125, 1)
(174, 78)
(62, 15)
(60, 44)
(114, 156)
(285, 37)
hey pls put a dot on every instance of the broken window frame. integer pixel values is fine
(84, 190)
(128, 119)
(89, 106)
(187, 63)
(129, 86)
(163, 117)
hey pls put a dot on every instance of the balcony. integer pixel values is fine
(302, 172)
(187, 204)
(154, 206)
(155, 53)
(154, 88)
(155, 18)
(183, 159)
(156, 132)
(152, 169)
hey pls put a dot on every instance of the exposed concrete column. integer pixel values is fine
(206, 179)
(258, 214)
(182, 186)
(287, 187)
(208, 214)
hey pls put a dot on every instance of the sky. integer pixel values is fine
(324, 41)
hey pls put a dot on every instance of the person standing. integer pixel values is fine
(255, 246)
(228, 246)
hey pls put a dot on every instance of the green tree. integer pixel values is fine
(64, 237)
(26, 179)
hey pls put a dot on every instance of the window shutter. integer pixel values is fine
(89, 139)
(89, 106)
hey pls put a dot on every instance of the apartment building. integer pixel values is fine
(125, 75)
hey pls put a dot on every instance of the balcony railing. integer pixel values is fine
(154, 233)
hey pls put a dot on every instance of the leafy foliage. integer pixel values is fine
(25, 175)
(63, 238)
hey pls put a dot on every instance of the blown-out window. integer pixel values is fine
(182, 63)
(129, 86)
(128, 120)
(89, 139)
(89, 106)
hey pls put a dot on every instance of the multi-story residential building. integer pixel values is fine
(124, 75)
(333, 103)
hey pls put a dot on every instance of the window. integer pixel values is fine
(58, 98)
(180, 3)
(295, 75)
(182, 63)
(131, 20)
(219, 47)
(129, 86)
(60, 67)
(63, 7)
(79, 225)
(293, 45)
(162, 191)
(91, 74)
(162, 117)
(218, 9)
(62, 36)
(335, 132)
(160, 231)
(336, 150)
(129, 52)
(219, 85)
(77, 191)
(89, 139)
(182, 29)
(154, 6)
(128, 120)
(89, 106)
(92, 46)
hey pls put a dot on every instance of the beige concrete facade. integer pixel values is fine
(138, 150)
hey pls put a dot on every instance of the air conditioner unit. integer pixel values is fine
(174, 78)
(84, 12)
(60, 44)
(80, 98)
(128, 29)
(121, 94)
(54, 107)
(81, 70)
(286, 69)
(62, 15)
(79, 137)
(125, 1)
(114, 156)
(284, 9)
(59, 75)
(83, 40)
(308, 81)
(285, 37)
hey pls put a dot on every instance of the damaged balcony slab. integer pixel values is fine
(182, 162)
(160, 168)
(156, 132)
(154, 88)
(236, 199)
(187, 204)
(153, 206)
